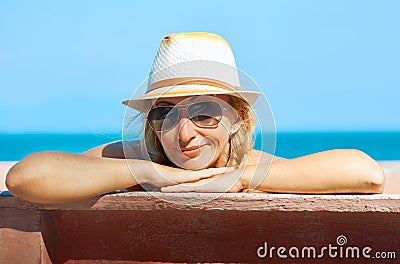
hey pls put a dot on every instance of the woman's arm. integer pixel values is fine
(56, 177)
(333, 171)
(51, 177)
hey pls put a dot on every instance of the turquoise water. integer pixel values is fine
(379, 145)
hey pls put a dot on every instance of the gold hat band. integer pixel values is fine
(192, 80)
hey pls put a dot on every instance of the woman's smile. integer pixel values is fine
(192, 152)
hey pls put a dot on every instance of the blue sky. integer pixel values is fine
(65, 66)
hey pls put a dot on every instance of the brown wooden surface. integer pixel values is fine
(213, 236)
(140, 227)
(20, 237)
(227, 201)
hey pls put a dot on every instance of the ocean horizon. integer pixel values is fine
(379, 145)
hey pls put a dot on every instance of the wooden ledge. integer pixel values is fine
(216, 201)
(140, 227)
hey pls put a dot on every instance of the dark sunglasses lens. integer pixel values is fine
(163, 117)
(205, 114)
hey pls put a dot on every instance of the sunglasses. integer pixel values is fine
(202, 114)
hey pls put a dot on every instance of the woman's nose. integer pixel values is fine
(187, 130)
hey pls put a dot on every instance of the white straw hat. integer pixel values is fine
(195, 63)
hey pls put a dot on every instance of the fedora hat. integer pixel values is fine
(187, 64)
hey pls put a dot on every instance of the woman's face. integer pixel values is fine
(197, 142)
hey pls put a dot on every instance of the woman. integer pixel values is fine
(197, 137)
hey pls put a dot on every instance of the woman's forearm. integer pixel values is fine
(56, 177)
(334, 171)
(53, 177)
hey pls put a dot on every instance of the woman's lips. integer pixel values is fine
(191, 152)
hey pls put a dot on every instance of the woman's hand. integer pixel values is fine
(161, 175)
(333, 171)
(227, 182)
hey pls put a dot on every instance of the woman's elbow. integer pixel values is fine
(15, 178)
(376, 180)
(373, 174)
(21, 175)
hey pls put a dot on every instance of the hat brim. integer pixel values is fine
(145, 102)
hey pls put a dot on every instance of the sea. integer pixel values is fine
(380, 145)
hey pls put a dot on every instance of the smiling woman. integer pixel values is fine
(205, 131)
(197, 136)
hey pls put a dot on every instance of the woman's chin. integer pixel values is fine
(202, 161)
(197, 163)
(193, 165)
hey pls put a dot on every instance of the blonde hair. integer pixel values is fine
(241, 142)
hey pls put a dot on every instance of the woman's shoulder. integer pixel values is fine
(118, 150)
(257, 157)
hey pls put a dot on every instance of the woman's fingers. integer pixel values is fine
(220, 183)
(183, 187)
(170, 176)
(183, 176)
(206, 173)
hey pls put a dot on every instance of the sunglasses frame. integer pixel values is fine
(186, 106)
